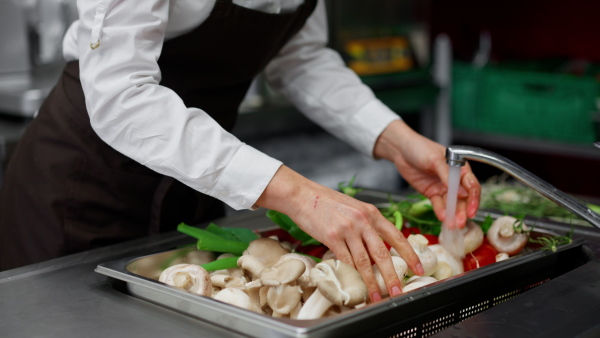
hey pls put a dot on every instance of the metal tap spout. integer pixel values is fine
(455, 155)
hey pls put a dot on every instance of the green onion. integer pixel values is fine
(221, 264)
(212, 242)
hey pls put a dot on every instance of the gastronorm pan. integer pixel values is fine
(420, 313)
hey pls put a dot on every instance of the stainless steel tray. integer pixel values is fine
(420, 313)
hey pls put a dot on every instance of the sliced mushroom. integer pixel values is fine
(503, 238)
(190, 277)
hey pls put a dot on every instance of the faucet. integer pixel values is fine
(457, 156)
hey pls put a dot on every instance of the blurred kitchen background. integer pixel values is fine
(520, 78)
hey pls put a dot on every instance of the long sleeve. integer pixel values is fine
(149, 123)
(315, 79)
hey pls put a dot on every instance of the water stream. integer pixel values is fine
(451, 237)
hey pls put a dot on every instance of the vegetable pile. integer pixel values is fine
(287, 273)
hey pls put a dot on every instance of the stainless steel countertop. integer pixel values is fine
(65, 297)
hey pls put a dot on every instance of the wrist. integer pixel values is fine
(285, 191)
(390, 142)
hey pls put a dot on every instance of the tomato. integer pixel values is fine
(433, 239)
(282, 236)
(482, 256)
(410, 231)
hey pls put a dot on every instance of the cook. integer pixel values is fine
(135, 137)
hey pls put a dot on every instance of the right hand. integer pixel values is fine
(352, 229)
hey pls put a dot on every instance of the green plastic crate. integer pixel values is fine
(529, 104)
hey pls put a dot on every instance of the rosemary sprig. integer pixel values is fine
(552, 243)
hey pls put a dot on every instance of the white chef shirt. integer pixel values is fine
(149, 123)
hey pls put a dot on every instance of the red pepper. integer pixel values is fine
(313, 250)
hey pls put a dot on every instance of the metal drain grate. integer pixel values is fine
(437, 325)
(473, 310)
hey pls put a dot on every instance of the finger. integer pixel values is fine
(362, 263)
(439, 207)
(341, 251)
(381, 256)
(395, 238)
(460, 218)
(474, 188)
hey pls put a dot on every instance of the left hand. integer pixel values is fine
(422, 163)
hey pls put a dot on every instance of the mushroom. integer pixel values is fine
(501, 256)
(283, 299)
(285, 271)
(473, 237)
(503, 237)
(400, 267)
(190, 277)
(226, 281)
(418, 283)
(283, 263)
(267, 250)
(237, 297)
(445, 258)
(337, 283)
(328, 255)
(426, 256)
(252, 266)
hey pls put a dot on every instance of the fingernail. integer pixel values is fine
(396, 291)
(420, 270)
(376, 297)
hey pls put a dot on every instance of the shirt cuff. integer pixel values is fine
(245, 178)
(369, 122)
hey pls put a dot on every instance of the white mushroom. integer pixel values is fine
(283, 298)
(237, 297)
(501, 256)
(286, 270)
(418, 283)
(190, 277)
(426, 256)
(400, 267)
(473, 236)
(445, 257)
(328, 255)
(337, 283)
(267, 250)
(503, 237)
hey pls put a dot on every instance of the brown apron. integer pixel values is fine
(66, 191)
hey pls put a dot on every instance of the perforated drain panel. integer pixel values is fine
(443, 322)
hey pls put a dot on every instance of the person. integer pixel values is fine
(135, 137)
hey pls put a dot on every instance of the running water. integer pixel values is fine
(451, 237)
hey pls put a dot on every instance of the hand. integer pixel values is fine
(353, 230)
(422, 163)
